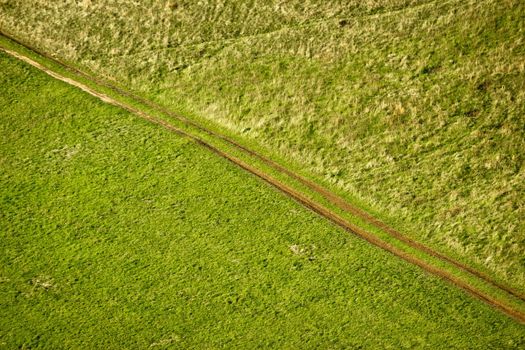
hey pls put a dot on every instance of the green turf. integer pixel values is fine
(416, 108)
(118, 234)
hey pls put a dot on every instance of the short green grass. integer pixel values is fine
(118, 234)
(416, 108)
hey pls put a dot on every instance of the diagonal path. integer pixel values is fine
(331, 197)
(289, 191)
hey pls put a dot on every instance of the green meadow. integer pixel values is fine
(115, 233)
(413, 108)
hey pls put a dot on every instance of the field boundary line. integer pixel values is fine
(333, 198)
(289, 191)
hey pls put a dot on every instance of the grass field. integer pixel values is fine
(117, 234)
(415, 108)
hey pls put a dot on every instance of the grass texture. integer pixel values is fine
(416, 108)
(115, 233)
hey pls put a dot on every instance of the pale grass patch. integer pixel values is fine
(306, 251)
(42, 282)
(296, 249)
(166, 342)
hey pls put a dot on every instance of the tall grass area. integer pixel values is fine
(115, 233)
(417, 108)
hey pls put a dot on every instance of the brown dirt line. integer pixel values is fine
(327, 194)
(297, 196)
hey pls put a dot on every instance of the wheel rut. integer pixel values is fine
(289, 191)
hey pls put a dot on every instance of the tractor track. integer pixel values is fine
(325, 193)
(328, 195)
(289, 191)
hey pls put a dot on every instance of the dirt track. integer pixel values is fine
(316, 207)
(328, 195)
